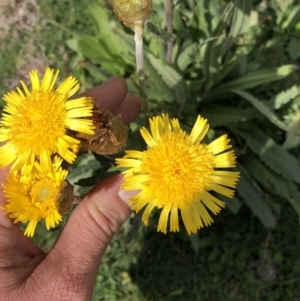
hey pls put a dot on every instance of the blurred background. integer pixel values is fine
(235, 63)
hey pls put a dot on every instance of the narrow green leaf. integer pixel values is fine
(259, 77)
(101, 19)
(261, 107)
(254, 200)
(98, 74)
(171, 78)
(273, 182)
(224, 19)
(285, 96)
(294, 48)
(220, 115)
(293, 135)
(277, 158)
(292, 19)
(90, 47)
(200, 17)
(241, 17)
(186, 56)
(251, 80)
(287, 189)
(234, 204)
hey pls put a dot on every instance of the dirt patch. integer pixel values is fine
(18, 22)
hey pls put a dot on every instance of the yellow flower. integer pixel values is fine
(177, 172)
(34, 123)
(36, 196)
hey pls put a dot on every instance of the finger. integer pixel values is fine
(86, 235)
(129, 109)
(110, 94)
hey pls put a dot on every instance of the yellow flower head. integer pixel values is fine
(34, 123)
(36, 196)
(177, 172)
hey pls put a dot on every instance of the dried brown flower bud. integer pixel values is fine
(131, 11)
(110, 134)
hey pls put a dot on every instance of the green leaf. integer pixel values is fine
(195, 242)
(293, 135)
(226, 68)
(276, 42)
(285, 96)
(277, 158)
(186, 56)
(273, 182)
(261, 107)
(220, 115)
(211, 61)
(241, 17)
(292, 19)
(98, 74)
(172, 79)
(100, 18)
(254, 200)
(294, 48)
(224, 19)
(73, 44)
(259, 77)
(234, 204)
(287, 189)
(90, 47)
(200, 17)
(83, 167)
(252, 79)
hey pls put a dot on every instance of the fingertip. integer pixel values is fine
(129, 109)
(110, 94)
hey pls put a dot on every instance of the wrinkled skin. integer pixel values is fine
(68, 271)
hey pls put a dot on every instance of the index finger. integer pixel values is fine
(112, 95)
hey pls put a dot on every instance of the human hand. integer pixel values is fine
(69, 270)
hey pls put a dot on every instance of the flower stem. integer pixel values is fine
(168, 14)
(138, 38)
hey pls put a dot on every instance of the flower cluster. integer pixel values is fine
(34, 132)
(177, 173)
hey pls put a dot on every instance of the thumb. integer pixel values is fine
(78, 251)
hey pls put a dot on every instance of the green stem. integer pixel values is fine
(138, 38)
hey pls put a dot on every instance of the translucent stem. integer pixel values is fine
(138, 38)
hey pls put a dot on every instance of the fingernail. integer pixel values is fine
(125, 195)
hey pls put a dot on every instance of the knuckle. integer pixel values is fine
(105, 219)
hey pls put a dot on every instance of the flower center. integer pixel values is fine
(39, 121)
(179, 171)
(44, 194)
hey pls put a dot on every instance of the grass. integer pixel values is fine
(234, 259)
(238, 259)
